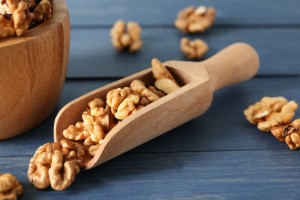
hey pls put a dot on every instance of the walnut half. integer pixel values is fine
(193, 48)
(271, 112)
(195, 20)
(290, 134)
(10, 188)
(129, 37)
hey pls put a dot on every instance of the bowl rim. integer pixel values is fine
(59, 13)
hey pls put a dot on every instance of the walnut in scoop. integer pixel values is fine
(164, 79)
(57, 164)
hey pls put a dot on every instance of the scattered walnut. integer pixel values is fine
(193, 49)
(270, 112)
(55, 164)
(10, 188)
(193, 20)
(20, 15)
(126, 39)
(62, 173)
(39, 165)
(164, 79)
(290, 134)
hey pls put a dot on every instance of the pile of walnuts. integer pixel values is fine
(275, 114)
(17, 16)
(56, 164)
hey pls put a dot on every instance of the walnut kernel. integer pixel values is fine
(10, 188)
(194, 20)
(55, 164)
(193, 49)
(16, 17)
(271, 112)
(290, 134)
(164, 79)
(129, 38)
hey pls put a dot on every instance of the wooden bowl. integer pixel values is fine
(32, 72)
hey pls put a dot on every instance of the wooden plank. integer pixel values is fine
(156, 12)
(92, 54)
(222, 127)
(190, 175)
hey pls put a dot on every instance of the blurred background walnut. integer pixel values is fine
(193, 48)
(129, 38)
(195, 20)
(17, 16)
(10, 188)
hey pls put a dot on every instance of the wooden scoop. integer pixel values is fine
(199, 80)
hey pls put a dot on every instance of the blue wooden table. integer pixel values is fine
(216, 156)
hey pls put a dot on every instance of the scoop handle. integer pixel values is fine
(236, 63)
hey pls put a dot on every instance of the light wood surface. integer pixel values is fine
(32, 72)
(237, 63)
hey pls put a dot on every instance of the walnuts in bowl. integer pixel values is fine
(17, 16)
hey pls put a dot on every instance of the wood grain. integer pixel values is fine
(185, 175)
(162, 13)
(32, 73)
(96, 57)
